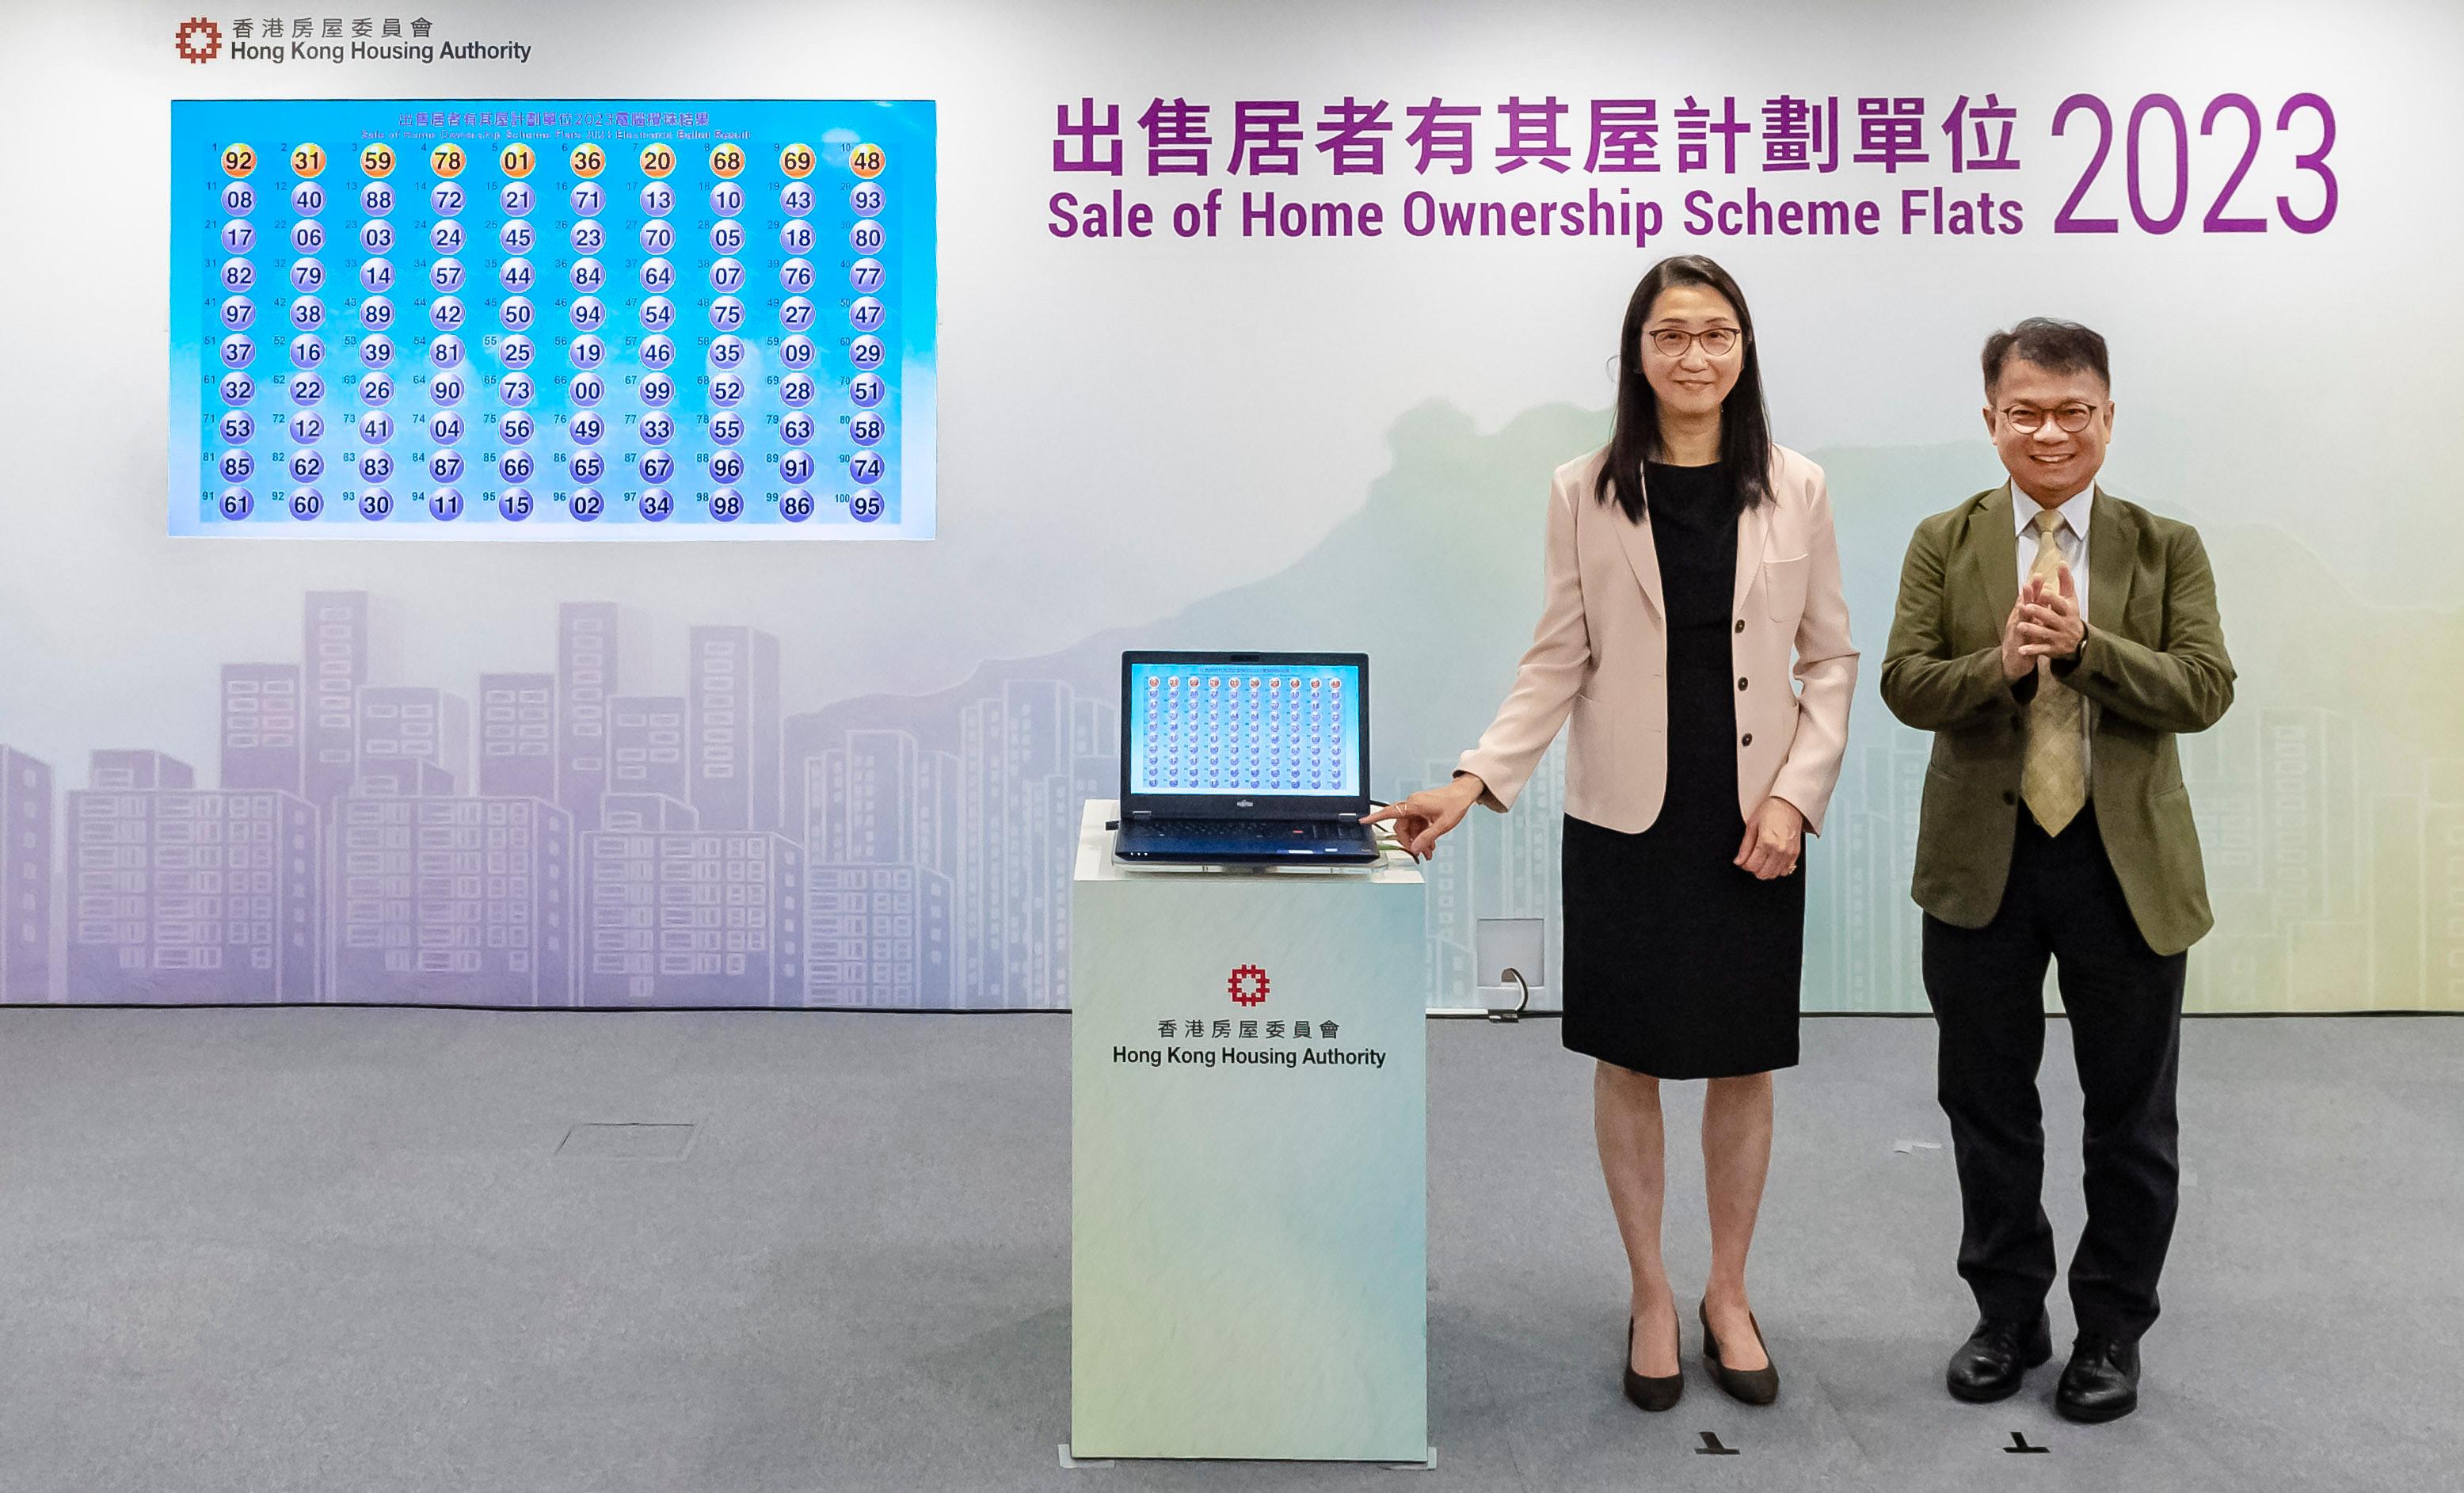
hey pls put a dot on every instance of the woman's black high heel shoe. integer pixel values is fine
(1752, 1386)
(1650, 1392)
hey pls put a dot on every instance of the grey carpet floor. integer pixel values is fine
(257, 1251)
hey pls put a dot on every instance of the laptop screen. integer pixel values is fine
(1243, 729)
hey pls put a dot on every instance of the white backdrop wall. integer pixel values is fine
(1243, 440)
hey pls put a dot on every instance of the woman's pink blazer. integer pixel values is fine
(1600, 655)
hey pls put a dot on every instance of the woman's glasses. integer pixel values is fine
(1717, 342)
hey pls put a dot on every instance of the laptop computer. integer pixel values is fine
(1244, 760)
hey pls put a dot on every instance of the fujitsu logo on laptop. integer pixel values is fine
(1245, 804)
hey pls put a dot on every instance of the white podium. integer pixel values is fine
(1250, 1161)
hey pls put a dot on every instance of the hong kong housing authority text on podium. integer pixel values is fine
(1249, 1162)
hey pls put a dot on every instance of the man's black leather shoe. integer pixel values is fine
(1996, 1356)
(2102, 1382)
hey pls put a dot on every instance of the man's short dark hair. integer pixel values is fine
(2054, 346)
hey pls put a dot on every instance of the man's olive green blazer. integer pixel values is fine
(2154, 663)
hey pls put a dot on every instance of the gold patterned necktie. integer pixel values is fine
(2053, 775)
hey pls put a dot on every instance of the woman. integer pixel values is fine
(1683, 560)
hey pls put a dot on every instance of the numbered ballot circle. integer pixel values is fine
(658, 159)
(726, 159)
(377, 159)
(447, 160)
(797, 162)
(307, 159)
(588, 160)
(866, 160)
(518, 159)
(239, 159)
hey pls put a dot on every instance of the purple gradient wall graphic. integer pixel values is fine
(565, 842)
(649, 824)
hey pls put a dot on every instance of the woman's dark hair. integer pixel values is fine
(1745, 424)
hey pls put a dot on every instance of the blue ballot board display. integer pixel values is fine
(566, 318)
(1249, 1162)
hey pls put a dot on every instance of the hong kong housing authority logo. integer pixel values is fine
(198, 39)
(1247, 985)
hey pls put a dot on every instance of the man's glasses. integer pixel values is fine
(1717, 342)
(2026, 419)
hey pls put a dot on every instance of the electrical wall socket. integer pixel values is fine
(1511, 943)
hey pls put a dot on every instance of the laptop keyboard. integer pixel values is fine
(1251, 832)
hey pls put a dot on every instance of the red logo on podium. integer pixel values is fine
(1247, 985)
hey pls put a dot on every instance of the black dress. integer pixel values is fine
(1678, 963)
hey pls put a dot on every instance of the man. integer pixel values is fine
(2053, 639)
